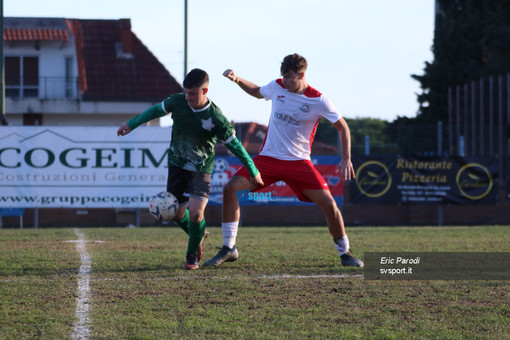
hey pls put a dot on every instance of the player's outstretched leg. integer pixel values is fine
(335, 222)
(230, 224)
(225, 254)
(228, 253)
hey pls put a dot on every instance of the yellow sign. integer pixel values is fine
(474, 181)
(373, 174)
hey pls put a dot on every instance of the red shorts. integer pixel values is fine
(299, 175)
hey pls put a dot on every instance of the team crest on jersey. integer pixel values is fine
(207, 124)
(281, 99)
(305, 108)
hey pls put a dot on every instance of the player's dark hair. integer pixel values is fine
(293, 62)
(195, 78)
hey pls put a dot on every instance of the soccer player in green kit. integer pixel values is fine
(197, 125)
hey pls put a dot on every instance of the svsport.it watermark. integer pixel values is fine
(248, 195)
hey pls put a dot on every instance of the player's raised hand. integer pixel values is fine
(123, 130)
(230, 74)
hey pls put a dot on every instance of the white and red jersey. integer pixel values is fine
(293, 122)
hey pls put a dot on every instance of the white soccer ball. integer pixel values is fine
(163, 206)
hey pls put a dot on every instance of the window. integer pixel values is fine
(12, 77)
(21, 76)
(30, 76)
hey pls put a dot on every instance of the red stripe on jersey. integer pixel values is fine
(265, 137)
(310, 92)
(312, 136)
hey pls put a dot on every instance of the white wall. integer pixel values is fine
(51, 55)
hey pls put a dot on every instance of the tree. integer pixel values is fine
(374, 128)
(413, 136)
(471, 41)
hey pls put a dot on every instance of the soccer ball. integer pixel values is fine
(163, 206)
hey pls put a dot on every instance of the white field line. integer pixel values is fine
(85, 241)
(286, 276)
(81, 325)
(272, 277)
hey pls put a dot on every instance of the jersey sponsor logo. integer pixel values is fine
(281, 99)
(305, 108)
(287, 119)
(207, 124)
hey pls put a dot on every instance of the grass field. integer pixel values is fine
(288, 283)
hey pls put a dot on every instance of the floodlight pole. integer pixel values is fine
(185, 38)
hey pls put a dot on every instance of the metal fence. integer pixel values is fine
(442, 139)
(479, 119)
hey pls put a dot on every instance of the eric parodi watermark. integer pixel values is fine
(437, 266)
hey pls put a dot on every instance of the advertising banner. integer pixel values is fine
(78, 167)
(92, 167)
(437, 180)
(278, 193)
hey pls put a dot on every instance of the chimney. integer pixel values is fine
(126, 36)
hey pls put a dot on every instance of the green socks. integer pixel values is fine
(184, 223)
(196, 232)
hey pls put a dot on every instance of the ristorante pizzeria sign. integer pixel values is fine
(439, 180)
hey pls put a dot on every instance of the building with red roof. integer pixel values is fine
(79, 72)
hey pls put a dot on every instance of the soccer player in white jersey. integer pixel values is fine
(285, 154)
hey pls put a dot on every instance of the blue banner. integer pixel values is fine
(278, 193)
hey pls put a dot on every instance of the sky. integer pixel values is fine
(361, 54)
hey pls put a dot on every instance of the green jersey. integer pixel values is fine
(194, 132)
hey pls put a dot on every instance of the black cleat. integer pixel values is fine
(351, 261)
(224, 255)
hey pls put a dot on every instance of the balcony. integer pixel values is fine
(48, 88)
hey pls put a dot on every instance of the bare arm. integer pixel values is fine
(247, 86)
(346, 168)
